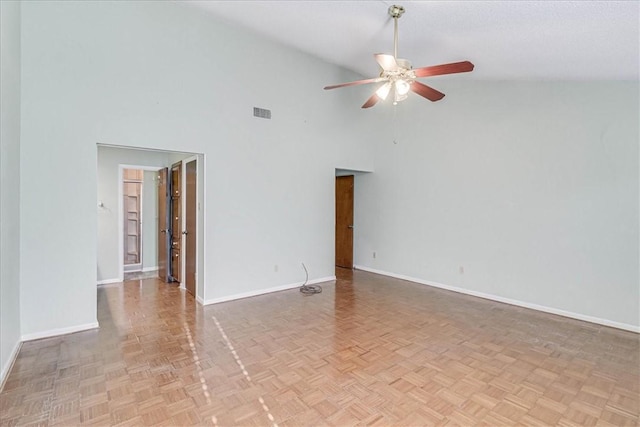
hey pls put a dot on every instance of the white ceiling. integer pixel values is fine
(506, 40)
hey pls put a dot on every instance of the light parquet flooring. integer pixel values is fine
(370, 350)
(139, 275)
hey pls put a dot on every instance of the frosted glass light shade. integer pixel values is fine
(383, 90)
(402, 87)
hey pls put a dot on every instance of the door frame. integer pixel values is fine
(121, 167)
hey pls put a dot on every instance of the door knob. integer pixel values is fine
(349, 226)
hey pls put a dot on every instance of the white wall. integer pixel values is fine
(109, 160)
(161, 75)
(531, 187)
(9, 184)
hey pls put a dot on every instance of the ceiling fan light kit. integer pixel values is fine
(400, 77)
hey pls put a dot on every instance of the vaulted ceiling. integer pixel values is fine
(506, 40)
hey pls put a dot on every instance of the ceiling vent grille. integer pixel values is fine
(262, 113)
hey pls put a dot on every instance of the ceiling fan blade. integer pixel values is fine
(387, 62)
(357, 82)
(438, 70)
(373, 100)
(428, 92)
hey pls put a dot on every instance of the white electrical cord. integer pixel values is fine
(309, 289)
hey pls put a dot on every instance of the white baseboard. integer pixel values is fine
(9, 364)
(551, 310)
(108, 281)
(61, 331)
(265, 291)
(199, 300)
(148, 269)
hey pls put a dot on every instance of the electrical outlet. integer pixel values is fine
(461, 269)
(275, 268)
(374, 254)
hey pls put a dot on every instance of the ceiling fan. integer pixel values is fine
(398, 75)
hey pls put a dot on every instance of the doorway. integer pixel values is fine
(175, 222)
(132, 225)
(344, 221)
(137, 221)
(114, 242)
(178, 223)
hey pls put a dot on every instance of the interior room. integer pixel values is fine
(493, 248)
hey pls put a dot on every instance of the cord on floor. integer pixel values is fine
(309, 289)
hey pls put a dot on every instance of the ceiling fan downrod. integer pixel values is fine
(395, 12)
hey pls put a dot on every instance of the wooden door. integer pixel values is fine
(344, 221)
(176, 221)
(191, 230)
(164, 272)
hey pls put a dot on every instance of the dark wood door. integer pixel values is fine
(344, 221)
(176, 221)
(191, 229)
(163, 225)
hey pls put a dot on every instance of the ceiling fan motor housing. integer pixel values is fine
(396, 11)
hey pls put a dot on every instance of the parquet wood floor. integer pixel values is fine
(370, 350)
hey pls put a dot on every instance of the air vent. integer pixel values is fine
(263, 113)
